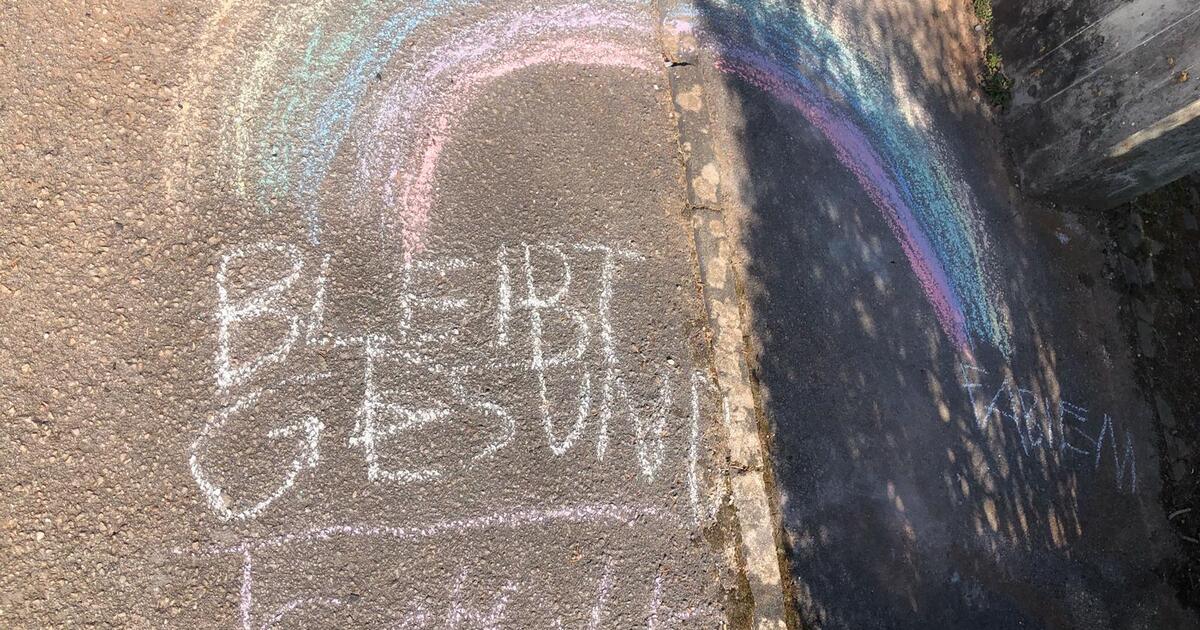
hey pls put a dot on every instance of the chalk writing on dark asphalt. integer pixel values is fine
(1082, 439)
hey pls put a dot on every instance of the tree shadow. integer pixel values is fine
(1005, 481)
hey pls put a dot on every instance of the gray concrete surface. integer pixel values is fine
(1106, 104)
(237, 395)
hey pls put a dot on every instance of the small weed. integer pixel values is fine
(998, 89)
(996, 85)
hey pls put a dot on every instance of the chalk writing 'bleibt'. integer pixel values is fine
(546, 325)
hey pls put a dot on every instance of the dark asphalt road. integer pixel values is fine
(1008, 481)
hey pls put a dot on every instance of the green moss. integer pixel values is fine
(997, 86)
(983, 11)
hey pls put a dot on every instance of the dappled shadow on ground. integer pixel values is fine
(1155, 249)
(925, 482)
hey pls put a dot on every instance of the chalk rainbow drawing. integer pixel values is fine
(386, 84)
(781, 49)
(307, 91)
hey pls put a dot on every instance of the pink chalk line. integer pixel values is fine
(856, 154)
(418, 117)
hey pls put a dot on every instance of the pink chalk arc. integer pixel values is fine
(854, 151)
(430, 103)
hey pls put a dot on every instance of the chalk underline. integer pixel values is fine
(608, 513)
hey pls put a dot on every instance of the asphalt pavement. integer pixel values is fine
(350, 315)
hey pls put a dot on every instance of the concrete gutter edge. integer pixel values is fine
(758, 522)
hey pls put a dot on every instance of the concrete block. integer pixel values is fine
(1106, 100)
